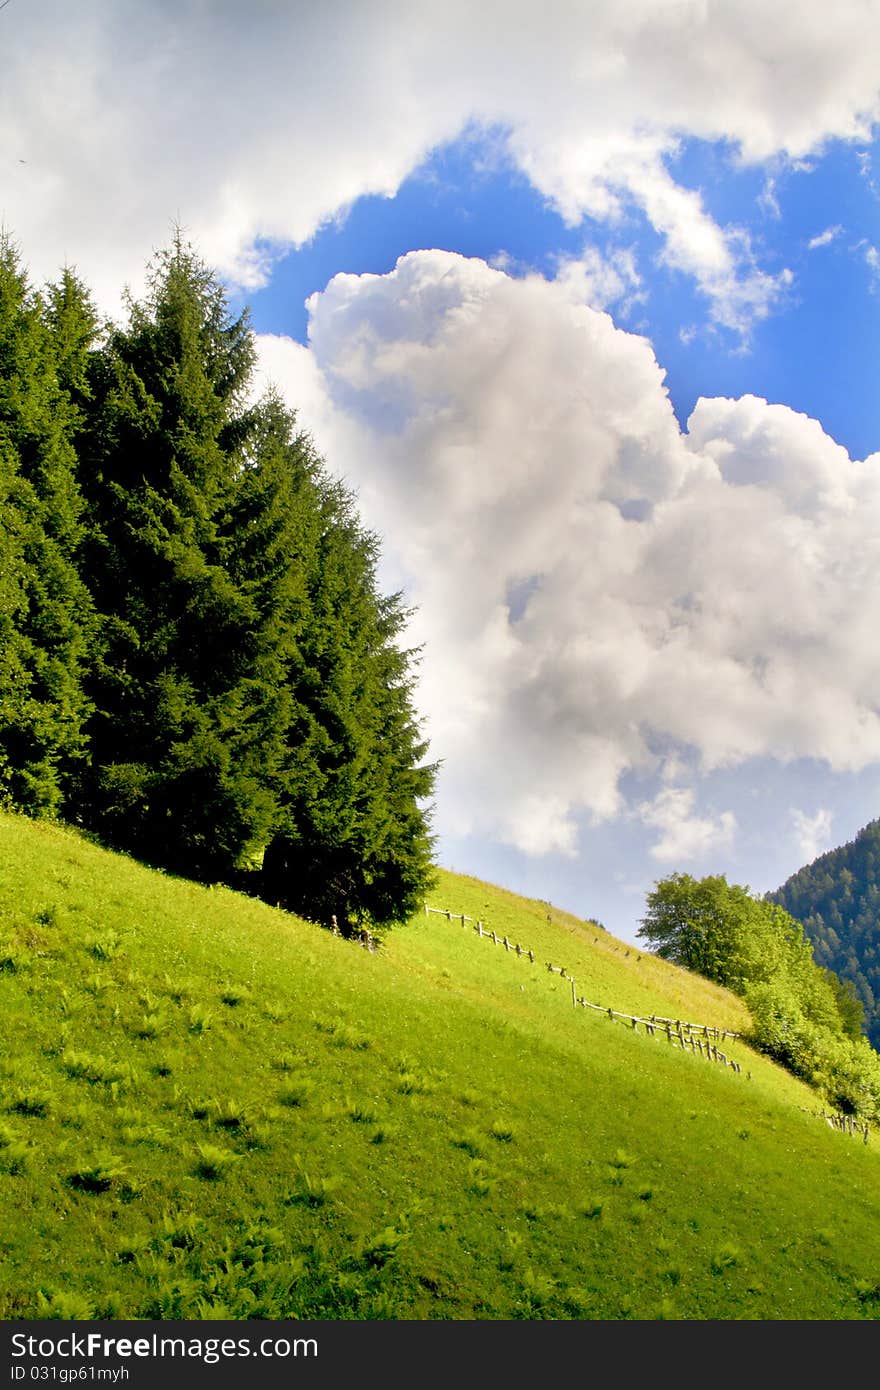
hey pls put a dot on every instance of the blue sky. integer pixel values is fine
(588, 315)
(817, 353)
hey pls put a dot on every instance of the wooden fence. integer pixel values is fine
(844, 1124)
(478, 928)
(696, 1037)
(362, 935)
(699, 1038)
(848, 1124)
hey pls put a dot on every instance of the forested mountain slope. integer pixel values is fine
(837, 898)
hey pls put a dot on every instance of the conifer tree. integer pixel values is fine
(273, 528)
(354, 842)
(176, 773)
(247, 690)
(46, 619)
(74, 329)
(342, 750)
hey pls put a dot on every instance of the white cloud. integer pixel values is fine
(872, 261)
(812, 834)
(825, 238)
(600, 281)
(592, 583)
(684, 837)
(255, 125)
(720, 260)
(768, 201)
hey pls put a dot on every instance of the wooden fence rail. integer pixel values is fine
(847, 1123)
(492, 936)
(694, 1036)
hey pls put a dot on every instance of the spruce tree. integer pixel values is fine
(176, 774)
(46, 618)
(248, 688)
(342, 752)
(273, 527)
(354, 842)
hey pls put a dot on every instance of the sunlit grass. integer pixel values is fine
(209, 1107)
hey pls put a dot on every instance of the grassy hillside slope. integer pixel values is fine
(211, 1108)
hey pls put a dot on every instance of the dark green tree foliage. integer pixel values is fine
(176, 771)
(340, 745)
(272, 531)
(46, 620)
(73, 326)
(195, 659)
(251, 703)
(837, 898)
(802, 1015)
(353, 842)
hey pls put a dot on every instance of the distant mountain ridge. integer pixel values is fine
(837, 899)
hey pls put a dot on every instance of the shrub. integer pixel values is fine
(296, 1094)
(70, 1307)
(377, 1250)
(200, 1019)
(213, 1162)
(35, 1103)
(94, 1069)
(502, 1131)
(98, 1175)
(314, 1190)
(470, 1141)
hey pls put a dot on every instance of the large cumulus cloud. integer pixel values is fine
(599, 590)
(255, 124)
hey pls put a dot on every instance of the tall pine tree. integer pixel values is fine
(209, 629)
(354, 840)
(46, 618)
(341, 743)
(177, 768)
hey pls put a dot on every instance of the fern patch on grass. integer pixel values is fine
(212, 1162)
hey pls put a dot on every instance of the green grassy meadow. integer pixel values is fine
(211, 1109)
